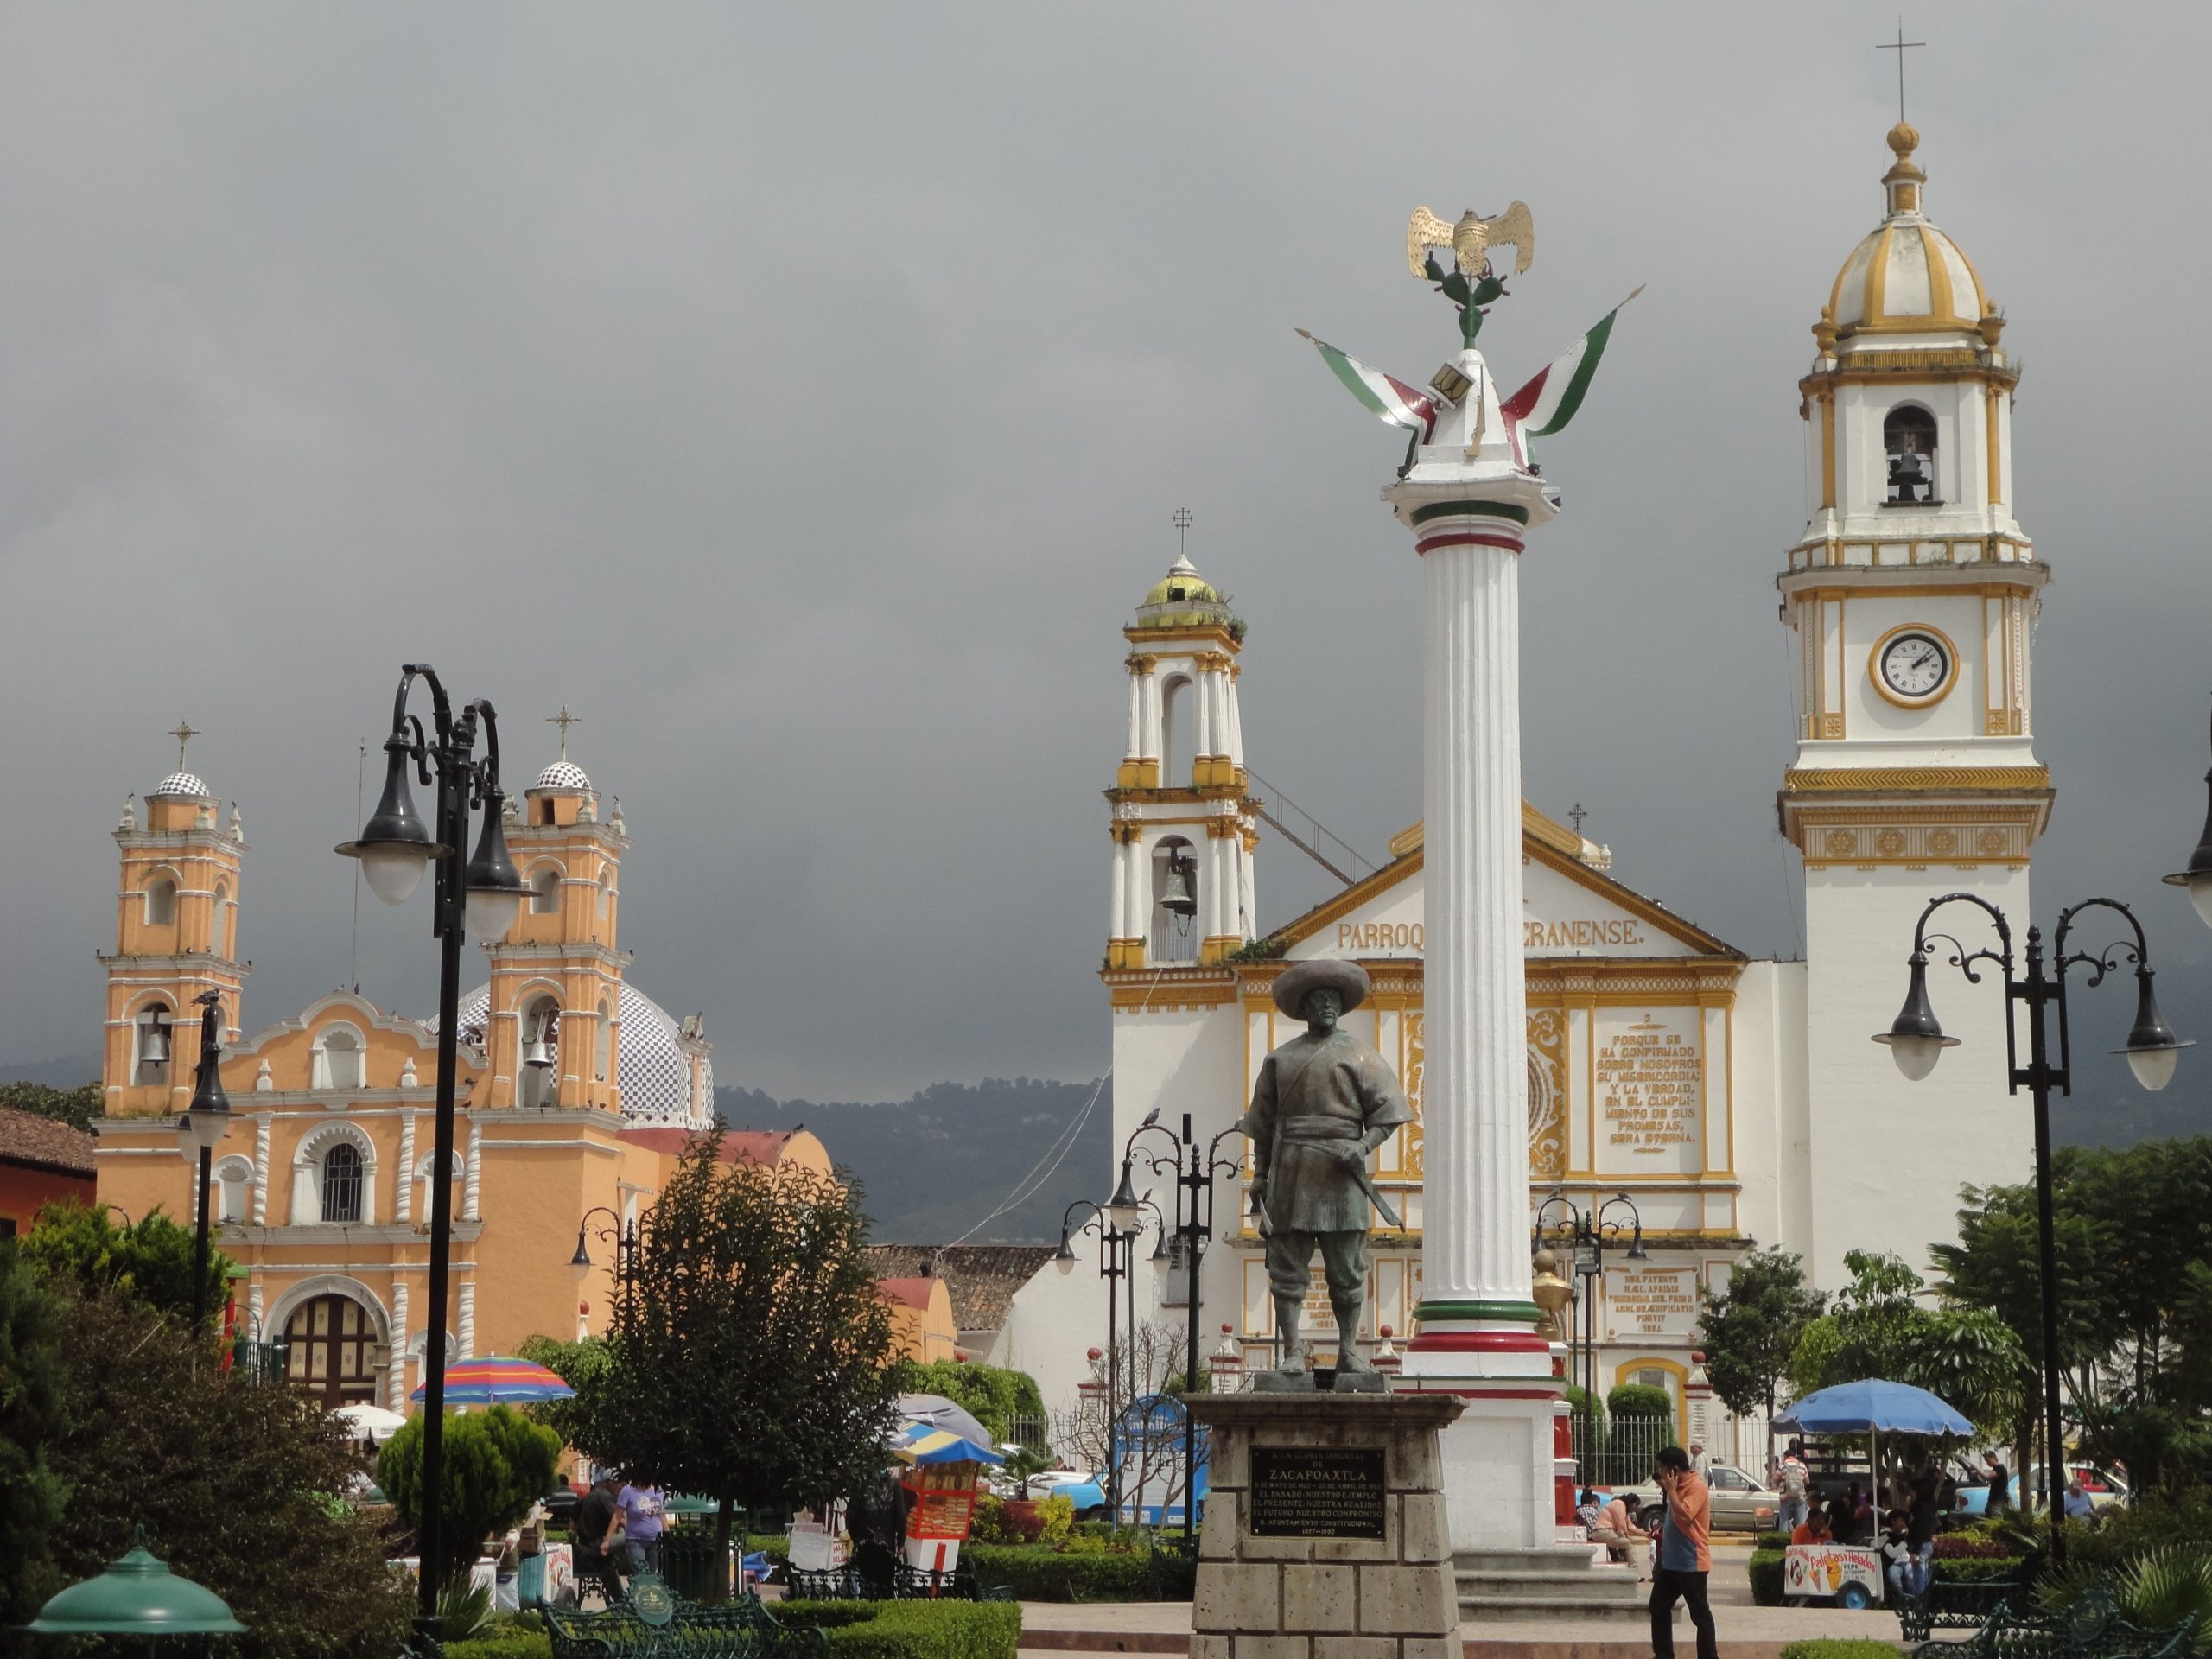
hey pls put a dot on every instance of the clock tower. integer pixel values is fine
(1913, 594)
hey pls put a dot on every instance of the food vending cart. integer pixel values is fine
(942, 1472)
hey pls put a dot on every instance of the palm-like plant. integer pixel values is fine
(2160, 1589)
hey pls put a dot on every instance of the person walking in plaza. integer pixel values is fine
(1791, 1482)
(642, 1522)
(593, 1533)
(2000, 1483)
(1683, 1559)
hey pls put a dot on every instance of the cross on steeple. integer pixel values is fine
(564, 720)
(1900, 46)
(1182, 521)
(184, 733)
(1576, 813)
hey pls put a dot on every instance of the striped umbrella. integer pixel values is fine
(499, 1380)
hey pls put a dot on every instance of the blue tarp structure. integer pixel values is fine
(1148, 1437)
(1873, 1408)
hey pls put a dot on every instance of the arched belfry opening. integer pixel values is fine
(1175, 932)
(1909, 444)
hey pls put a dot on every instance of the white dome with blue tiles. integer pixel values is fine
(184, 783)
(565, 776)
(650, 1063)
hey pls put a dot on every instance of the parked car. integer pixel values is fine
(1740, 1503)
(1080, 1486)
(2104, 1488)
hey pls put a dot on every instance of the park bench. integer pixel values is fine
(653, 1621)
(2093, 1628)
(907, 1583)
(1949, 1604)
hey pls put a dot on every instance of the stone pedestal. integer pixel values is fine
(1266, 1592)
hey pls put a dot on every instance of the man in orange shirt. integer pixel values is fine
(1682, 1560)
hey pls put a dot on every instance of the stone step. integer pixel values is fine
(1535, 1609)
(1582, 1588)
(1563, 1557)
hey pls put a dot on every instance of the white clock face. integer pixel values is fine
(1914, 666)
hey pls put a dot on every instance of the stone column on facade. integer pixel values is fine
(1140, 886)
(1235, 717)
(402, 1208)
(472, 1193)
(1201, 704)
(261, 1130)
(1150, 681)
(465, 1336)
(254, 1305)
(1136, 712)
(396, 1371)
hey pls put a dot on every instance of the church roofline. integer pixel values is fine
(1543, 840)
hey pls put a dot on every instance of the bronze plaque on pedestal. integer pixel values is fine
(1318, 1492)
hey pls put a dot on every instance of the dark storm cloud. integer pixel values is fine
(800, 395)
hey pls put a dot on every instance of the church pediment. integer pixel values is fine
(1567, 910)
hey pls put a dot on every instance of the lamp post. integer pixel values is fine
(201, 1129)
(482, 897)
(1917, 1041)
(1114, 1254)
(625, 1235)
(1588, 1230)
(1194, 1170)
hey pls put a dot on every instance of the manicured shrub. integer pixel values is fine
(515, 1644)
(1977, 1569)
(1770, 1541)
(910, 1629)
(1766, 1578)
(1839, 1648)
(1071, 1575)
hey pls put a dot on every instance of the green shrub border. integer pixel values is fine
(1034, 1573)
(855, 1629)
(1839, 1648)
(1766, 1578)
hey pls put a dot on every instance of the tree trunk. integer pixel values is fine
(718, 1581)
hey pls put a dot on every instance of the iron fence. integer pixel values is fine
(1618, 1451)
(1029, 1429)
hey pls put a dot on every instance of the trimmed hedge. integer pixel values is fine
(1839, 1648)
(1766, 1578)
(910, 1629)
(1977, 1569)
(1035, 1574)
(517, 1644)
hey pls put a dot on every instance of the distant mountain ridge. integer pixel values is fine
(933, 1165)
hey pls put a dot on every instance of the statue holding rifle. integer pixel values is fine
(1324, 1102)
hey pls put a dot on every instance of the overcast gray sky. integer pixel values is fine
(800, 394)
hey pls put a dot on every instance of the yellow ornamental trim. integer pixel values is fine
(1820, 780)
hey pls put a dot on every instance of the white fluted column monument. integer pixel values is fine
(1469, 505)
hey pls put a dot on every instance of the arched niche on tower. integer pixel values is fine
(1911, 442)
(1173, 903)
(153, 1038)
(339, 1060)
(158, 896)
(537, 1074)
(1178, 728)
(333, 1187)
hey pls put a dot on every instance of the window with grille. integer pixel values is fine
(341, 1183)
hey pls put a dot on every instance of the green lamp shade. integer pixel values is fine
(136, 1596)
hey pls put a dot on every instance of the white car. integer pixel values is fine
(1740, 1502)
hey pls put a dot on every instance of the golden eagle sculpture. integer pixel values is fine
(1471, 239)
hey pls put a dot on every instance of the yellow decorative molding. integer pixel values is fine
(1828, 780)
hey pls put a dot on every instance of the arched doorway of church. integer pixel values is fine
(331, 1349)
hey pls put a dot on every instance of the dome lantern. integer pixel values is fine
(1906, 277)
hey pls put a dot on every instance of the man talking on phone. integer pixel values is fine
(1682, 1560)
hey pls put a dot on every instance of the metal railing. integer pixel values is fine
(1614, 1451)
(1029, 1429)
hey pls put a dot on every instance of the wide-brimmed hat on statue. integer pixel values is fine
(1349, 979)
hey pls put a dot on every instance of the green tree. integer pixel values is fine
(76, 1107)
(497, 1463)
(239, 1484)
(33, 1382)
(77, 1246)
(1749, 1330)
(750, 1355)
(993, 1395)
(575, 1364)
(1639, 1400)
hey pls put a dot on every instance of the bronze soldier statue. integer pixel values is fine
(1324, 1102)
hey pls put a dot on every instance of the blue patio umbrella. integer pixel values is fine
(1872, 1406)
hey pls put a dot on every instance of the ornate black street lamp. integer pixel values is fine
(1917, 1040)
(1117, 1250)
(1194, 1170)
(1588, 1231)
(625, 1235)
(481, 897)
(201, 1129)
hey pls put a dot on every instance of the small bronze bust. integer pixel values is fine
(1323, 1103)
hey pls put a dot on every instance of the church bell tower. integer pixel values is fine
(1183, 830)
(1913, 594)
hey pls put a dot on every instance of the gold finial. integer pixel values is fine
(1904, 138)
(564, 720)
(1824, 334)
(1992, 325)
(185, 731)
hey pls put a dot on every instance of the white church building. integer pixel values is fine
(1662, 1062)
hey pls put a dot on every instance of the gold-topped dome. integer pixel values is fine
(1906, 277)
(1184, 599)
